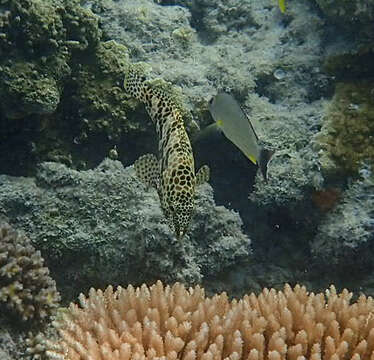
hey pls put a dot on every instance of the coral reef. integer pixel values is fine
(101, 226)
(36, 44)
(223, 50)
(25, 284)
(293, 173)
(349, 60)
(35, 345)
(173, 322)
(145, 27)
(280, 85)
(98, 92)
(60, 87)
(346, 139)
(61, 99)
(270, 61)
(10, 348)
(345, 235)
(201, 47)
(32, 30)
(359, 14)
(349, 55)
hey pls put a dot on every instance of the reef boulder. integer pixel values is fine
(103, 227)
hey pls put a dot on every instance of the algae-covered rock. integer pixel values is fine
(102, 227)
(38, 41)
(346, 234)
(99, 95)
(81, 26)
(346, 139)
(10, 349)
(26, 91)
(294, 168)
(61, 96)
(33, 58)
(350, 12)
(145, 27)
(31, 27)
(349, 60)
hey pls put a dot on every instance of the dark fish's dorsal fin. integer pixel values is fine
(250, 123)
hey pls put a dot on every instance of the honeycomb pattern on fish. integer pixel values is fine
(173, 174)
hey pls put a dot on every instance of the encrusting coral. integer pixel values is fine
(345, 141)
(345, 235)
(172, 322)
(25, 284)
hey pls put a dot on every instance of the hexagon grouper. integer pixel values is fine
(173, 173)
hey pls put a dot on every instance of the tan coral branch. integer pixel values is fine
(172, 322)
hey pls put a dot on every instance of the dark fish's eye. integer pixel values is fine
(211, 100)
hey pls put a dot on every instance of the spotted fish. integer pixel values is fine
(173, 173)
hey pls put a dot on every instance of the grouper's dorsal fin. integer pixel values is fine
(147, 170)
(202, 175)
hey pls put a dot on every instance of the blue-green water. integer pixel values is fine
(69, 135)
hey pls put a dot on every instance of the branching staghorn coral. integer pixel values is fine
(25, 284)
(172, 322)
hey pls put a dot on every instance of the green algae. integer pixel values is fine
(60, 86)
(99, 95)
(346, 139)
(31, 27)
(27, 91)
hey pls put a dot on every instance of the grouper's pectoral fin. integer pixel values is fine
(147, 170)
(202, 175)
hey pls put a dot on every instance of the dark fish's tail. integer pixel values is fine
(265, 156)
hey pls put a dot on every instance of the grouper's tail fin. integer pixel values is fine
(265, 156)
